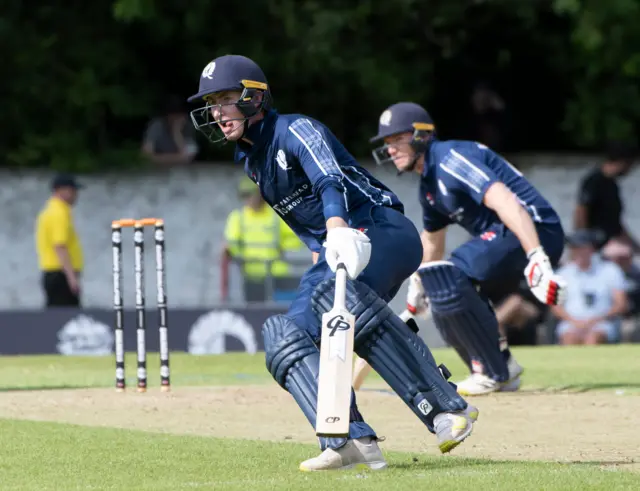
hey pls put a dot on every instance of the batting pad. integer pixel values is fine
(394, 350)
(464, 317)
(293, 360)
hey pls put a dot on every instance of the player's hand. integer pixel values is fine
(547, 286)
(416, 299)
(349, 246)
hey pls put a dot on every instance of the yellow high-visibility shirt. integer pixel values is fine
(54, 227)
(257, 237)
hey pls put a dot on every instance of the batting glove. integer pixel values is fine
(548, 287)
(348, 246)
(416, 299)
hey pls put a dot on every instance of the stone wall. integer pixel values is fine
(194, 203)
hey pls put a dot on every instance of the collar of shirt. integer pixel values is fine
(60, 202)
(259, 134)
(596, 261)
(262, 213)
(429, 160)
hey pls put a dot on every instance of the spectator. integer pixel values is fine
(258, 239)
(596, 298)
(517, 310)
(170, 139)
(599, 202)
(488, 116)
(621, 253)
(519, 315)
(58, 246)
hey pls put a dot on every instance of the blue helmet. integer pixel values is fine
(226, 73)
(403, 117)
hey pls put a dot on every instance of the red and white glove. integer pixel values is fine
(416, 299)
(547, 286)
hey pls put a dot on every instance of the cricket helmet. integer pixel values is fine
(230, 73)
(403, 117)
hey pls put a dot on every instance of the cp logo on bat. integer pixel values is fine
(337, 323)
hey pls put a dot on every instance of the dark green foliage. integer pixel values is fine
(79, 83)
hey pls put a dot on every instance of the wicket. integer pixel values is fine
(118, 305)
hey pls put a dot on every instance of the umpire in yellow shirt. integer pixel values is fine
(258, 239)
(58, 246)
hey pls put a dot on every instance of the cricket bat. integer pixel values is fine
(336, 364)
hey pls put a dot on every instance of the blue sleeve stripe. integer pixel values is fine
(464, 171)
(313, 141)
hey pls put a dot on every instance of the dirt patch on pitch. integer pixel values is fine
(591, 427)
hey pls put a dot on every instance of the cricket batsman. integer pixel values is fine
(515, 231)
(344, 215)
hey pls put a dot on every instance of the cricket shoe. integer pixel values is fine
(453, 428)
(356, 454)
(477, 384)
(515, 370)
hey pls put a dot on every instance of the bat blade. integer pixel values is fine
(336, 372)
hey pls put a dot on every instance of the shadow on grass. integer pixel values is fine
(457, 463)
(460, 463)
(45, 387)
(561, 389)
(580, 388)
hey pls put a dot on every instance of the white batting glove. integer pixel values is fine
(348, 246)
(547, 286)
(416, 299)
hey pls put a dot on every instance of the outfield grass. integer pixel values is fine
(49, 456)
(54, 456)
(555, 367)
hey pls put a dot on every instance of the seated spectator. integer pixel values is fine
(517, 310)
(596, 299)
(621, 253)
(170, 139)
(519, 315)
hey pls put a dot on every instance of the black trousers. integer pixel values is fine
(57, 291)
(257, 291)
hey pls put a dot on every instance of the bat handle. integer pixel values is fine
(341, 287)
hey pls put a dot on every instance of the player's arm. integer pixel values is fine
(433, 245)
(309, 147)
(433, 240)
(470, 175)
(313, 152)
(434, 227)
(500, 199)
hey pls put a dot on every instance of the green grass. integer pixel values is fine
(577, 369)
(51, 456)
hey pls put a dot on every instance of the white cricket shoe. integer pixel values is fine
(359, 453)
(515, 371)
(478, 383)
(453, 428)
